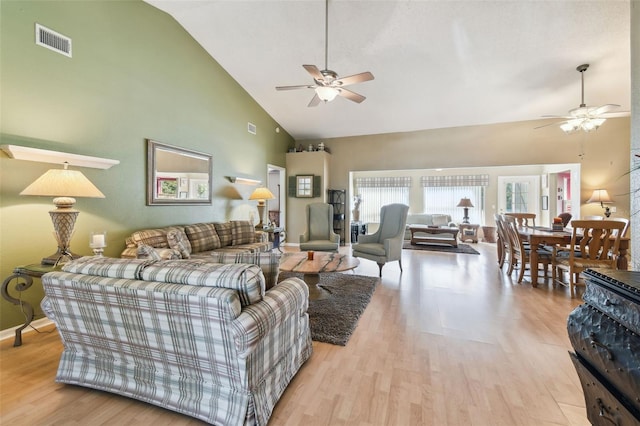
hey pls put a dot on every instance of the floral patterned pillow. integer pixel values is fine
(178, 241)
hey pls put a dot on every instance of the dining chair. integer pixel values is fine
(524, 219)
(522, 255)
(566, 218)
(502, 245)
(594, 244)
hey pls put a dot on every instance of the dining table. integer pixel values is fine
(541, 235)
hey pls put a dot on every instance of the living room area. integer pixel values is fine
(451, 339)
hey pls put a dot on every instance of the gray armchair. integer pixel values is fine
(385, 245)
(319, 235)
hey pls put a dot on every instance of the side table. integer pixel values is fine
(468, 231)
(276, 236)
(24, 279)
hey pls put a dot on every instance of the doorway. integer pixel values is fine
(276, 208)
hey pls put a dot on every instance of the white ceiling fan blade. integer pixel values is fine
(352, 96)
(301, 86)
(315, 101)
(602, 109)
(557, 116)
(556, 123)
(353, 79)
(314, 71)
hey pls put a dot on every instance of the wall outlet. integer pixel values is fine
(613, 209)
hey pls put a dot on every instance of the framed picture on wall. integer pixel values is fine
(545, 202)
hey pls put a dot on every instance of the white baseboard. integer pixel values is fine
(11, 332)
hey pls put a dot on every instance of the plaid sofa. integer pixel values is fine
(201, 338)
(197, 241)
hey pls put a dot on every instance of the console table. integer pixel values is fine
(23, 275)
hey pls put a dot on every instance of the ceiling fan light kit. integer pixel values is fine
(327, 84)
(584, 117)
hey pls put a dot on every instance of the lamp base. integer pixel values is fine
(607, 211)
(59, 257)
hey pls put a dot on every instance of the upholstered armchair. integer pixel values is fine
(319, 235)
(385, 245)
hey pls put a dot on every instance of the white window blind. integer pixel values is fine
(379, 191)
(442, 194)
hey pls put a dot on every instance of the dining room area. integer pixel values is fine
(560, 253)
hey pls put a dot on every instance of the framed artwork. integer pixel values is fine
(545, 202)
(304, 186)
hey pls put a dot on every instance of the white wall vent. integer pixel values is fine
(52, 40)
(251, 128)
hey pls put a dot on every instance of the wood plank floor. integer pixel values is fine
(450, 341)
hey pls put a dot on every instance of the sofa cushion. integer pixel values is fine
(178, 241)
(243, 232)
(108, 267)
(440, 219)
(202, 236)
(225, 233)
(268, 262)
(156, 238)
(246, 279)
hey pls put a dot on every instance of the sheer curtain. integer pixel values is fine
(380, 191)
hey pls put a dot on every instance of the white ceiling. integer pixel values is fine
(438, 63)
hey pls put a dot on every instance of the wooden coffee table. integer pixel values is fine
(427, 239)
(311, 269)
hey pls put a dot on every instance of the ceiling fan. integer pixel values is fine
(584, 117)
(326, 83)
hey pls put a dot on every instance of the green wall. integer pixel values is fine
(135, 74)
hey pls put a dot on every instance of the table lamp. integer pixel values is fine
(465, 203)
(63, 184)
(601, 196)
(261, 194)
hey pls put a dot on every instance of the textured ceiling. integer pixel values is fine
(436, 64)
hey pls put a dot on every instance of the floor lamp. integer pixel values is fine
(63, 184)
(261, 194)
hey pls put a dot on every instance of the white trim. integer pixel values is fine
(11, 332)
(45, 156)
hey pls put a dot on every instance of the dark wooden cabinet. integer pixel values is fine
(337, 198)
(605, 335)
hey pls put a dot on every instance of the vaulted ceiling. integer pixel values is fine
(437, 63)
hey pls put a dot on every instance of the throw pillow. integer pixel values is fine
(148, 252)
(178, 241)
(225, 233)
(243, 232)
(203, 237)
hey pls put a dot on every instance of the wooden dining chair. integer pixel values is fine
(594, 244)
(524, 219)
(521, 255)
(503, 245)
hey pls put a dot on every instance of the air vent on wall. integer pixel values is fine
(52, 40)
(251, 128)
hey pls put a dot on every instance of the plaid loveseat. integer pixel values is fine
(200, 338)
(196, 241)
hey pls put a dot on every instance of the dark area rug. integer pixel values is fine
(333, 320)
(462, 248)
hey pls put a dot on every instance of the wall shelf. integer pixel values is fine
(45, 156)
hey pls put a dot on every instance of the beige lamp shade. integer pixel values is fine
(465, 202)
(600, 196)
(261, 194)
(63, 184)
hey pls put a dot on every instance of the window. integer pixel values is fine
(442, 194)
(376, 192)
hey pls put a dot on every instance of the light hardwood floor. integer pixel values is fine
(451, 341)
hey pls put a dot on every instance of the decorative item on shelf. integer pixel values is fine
(300, 148)
(357, 199)
(310, 148)
(261, 194)
(97, 242)
(601, 196)
(557, 224)
(465, 203)
(321, 146)
(63, 184)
